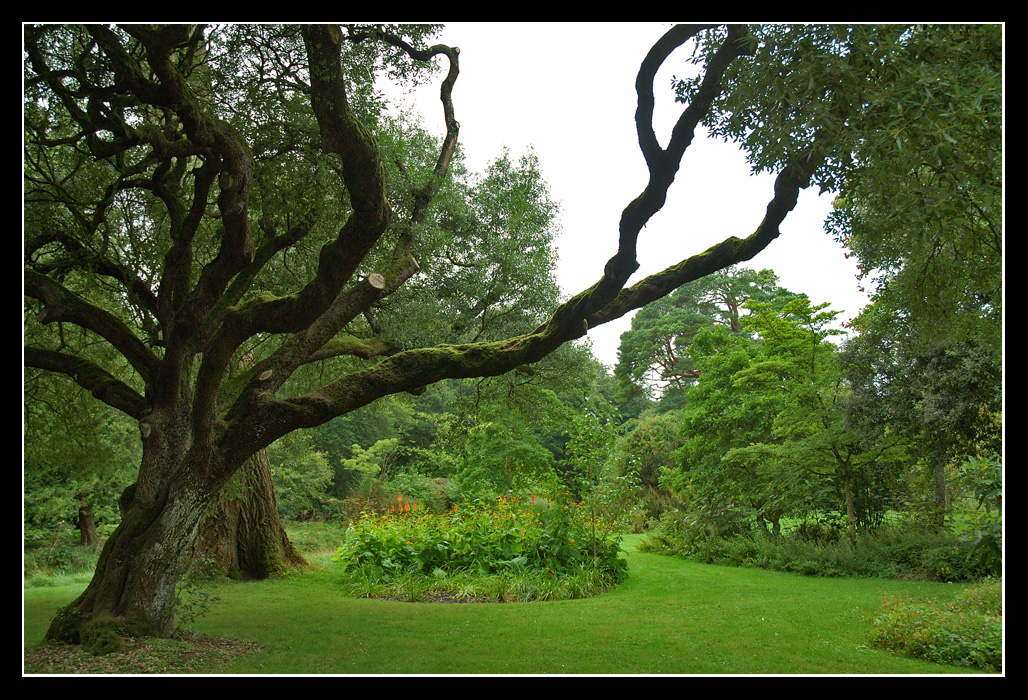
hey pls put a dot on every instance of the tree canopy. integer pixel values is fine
(653, 357)
(227, 238)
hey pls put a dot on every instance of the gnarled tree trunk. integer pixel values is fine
(132, 592)
(244, 537)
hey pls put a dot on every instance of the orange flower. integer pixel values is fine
(406, 507)
(533, 496)
(455, 509)
(399, 498)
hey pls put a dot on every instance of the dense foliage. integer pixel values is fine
(966, 632)
(551, 540)
(792, 444)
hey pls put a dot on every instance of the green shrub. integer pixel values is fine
(984, 478)
(510, 538)
(436, 494)
(192, 599)
(900, 551)
(53, 557)
(967, 632)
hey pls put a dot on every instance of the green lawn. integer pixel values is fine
(672, 616)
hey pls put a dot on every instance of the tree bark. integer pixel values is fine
(86, 524)
(939, 474)
(132, 592)
(851, 519)
(244, 537)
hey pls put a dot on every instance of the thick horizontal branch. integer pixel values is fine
(364, 348)
(91, 377)
(59, 304)
(730, 251)
(258, 413)
(267, 418)
(427, 365)
(80, 257)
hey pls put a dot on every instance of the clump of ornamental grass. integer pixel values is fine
(513, 549)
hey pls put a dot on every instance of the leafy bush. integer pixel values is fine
(302, 477)
(192, 599)
(966, 632)
(511, 537)
(984, 478)
(436, 494)
(891, 552)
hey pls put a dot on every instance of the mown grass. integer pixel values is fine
(670, 617)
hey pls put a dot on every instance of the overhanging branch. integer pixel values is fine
(265, 416)
(719, 256)
(59, 304)
(91, 377)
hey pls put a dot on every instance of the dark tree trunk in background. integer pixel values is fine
(86, 524)
(851, 519)
(939, 474)
(244, 537)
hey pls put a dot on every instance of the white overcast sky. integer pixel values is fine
(567, 91)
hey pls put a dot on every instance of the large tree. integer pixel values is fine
(653, 356)
(798, 366)
(178, 175)
(946, 402)
(923, 215)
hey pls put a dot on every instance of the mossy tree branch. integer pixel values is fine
(91, 377)
(60, 304)
(598, 304)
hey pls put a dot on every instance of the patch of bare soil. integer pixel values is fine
(196, 654)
